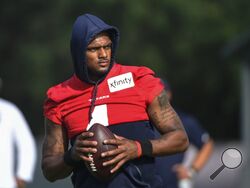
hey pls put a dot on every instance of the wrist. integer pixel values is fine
(192, 172)
(139, 149)
(68, 159)
(146, 148)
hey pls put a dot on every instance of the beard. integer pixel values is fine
(98, 74)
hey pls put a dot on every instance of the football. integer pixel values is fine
(96, 167)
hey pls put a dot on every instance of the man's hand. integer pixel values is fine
(127, 150)
(82, 147)
(20, 183)
(182, 172)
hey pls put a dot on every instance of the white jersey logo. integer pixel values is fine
(121, 82)
(99, 115)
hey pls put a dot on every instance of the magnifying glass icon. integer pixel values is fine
(231, 158)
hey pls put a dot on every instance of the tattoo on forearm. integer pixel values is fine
(53, 143)
(166, 118)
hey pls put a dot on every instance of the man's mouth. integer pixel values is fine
(103, 62)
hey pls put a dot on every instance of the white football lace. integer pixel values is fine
(92, 164)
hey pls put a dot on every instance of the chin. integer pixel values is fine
(103, 72)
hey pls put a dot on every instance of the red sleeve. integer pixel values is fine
(51, 111)
(150, 85)
(56, 97)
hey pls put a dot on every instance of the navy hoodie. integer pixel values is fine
(135, 174)
(85, 28)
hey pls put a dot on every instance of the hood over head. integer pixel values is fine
(85, 28)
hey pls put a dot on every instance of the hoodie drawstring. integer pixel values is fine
(93, 99)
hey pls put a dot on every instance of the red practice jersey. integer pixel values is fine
(121, 98)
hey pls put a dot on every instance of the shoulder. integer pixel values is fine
(9, 107)
(147, 84)
(137, 71)
(64, 89)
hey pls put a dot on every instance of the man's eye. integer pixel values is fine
(107, 47)
(92, 49)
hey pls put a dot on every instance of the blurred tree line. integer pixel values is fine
(182, 41)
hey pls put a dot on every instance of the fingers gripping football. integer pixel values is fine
(82, 147)
(103, 152)
(126, 150)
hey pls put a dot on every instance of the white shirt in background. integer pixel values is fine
(15, 133)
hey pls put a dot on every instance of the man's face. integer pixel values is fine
(98, 56)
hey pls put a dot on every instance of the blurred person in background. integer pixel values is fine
(177, 172)
(17, 147)
(126, 99)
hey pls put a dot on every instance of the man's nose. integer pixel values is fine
(102, 52)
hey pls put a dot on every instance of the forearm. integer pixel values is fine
(171, 143)
(168, 123)
(54, 146)
(54, 168)
(203, 155)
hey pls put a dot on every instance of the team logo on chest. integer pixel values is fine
(121, 82)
